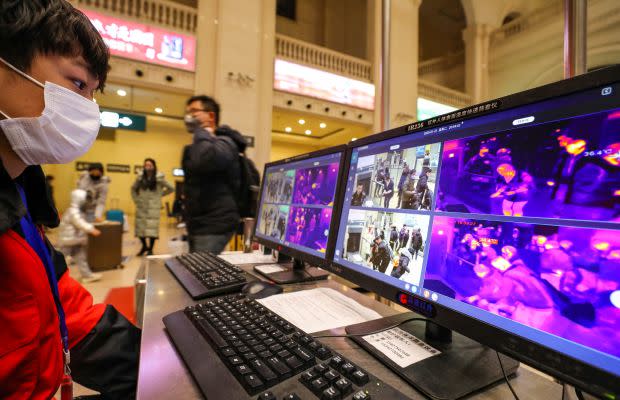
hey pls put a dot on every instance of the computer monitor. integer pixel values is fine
(295, 213)
(501, 222)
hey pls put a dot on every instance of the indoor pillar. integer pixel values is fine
(235, 66)
(476, 38)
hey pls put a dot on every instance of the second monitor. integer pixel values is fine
(295, 213)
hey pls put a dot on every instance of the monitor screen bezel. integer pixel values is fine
(333, 229)
(568, 369)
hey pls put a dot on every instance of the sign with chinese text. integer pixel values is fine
(145, 43)
(306, 81)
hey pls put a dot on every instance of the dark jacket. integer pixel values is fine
(104, 345)
(211, 166)
(382, 256)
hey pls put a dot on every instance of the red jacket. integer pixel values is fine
(31, 364)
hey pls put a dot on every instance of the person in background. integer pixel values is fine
(52, 60)
(359, 196)
(95, 182)
(388, 191)
(146, 192)
(72, 235)
(212, 177)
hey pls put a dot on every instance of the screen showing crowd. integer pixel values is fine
(297, 200)
(522, 223)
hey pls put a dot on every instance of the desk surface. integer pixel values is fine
(163, 374)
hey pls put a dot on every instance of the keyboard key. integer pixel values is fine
(361, 395)
(336, 362)
(321, 369)
(228, 352)
(265, 354)
(249, 356)
(264, 372)
(276, 347)
(253, 382)
(243, 369)
(211, 333)
(235, 360)
(305, 356)
(308, 376)
(323, 353)
(313, 346)
(243, 349)
(331, 376)
(359, 377)
(279, 367)
(294, 362)
(344, 386)
(259, 348)
(290, 345)
(318, 385)
(331, 393)
(267, 396)
(347, 369)
(291, 396)
(284, 354)
(269, 342)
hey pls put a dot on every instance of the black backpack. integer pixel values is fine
(247, 196)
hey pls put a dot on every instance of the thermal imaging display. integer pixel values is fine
(512, 218)
(565, 169)
(296, 203)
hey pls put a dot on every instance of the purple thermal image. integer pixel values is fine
(316, 185)
(309, 227)
(567, 169)
(561, 280)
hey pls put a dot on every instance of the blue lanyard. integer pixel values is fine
(34, 239)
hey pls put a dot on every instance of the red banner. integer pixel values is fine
(145, 43)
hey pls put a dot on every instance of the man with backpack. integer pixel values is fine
(221, 184)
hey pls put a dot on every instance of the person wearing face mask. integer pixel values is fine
(72, 237)
(212, 176)
(95, 182)
(52, 60)
(146, 192)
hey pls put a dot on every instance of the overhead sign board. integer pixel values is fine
(306, 81)
(144, 42)
(133, 122)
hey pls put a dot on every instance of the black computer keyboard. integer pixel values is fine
(235, 348)
(204, 274)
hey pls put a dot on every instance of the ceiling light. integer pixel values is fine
(121, 92)
(308, 132)
(323, 125)
(288, 129)
(95, 100)
(301, 121)
(353, 139)
(159, 110)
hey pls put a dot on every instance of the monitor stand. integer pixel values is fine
(294, 271)
(463, 367)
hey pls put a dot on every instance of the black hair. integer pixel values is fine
(208, 104)
(97, 166)
(32, 27)
(148, 182)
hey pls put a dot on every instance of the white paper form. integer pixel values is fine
(270, 268)
(401, 347)
(239, 258)
(319, 309)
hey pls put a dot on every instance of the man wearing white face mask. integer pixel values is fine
(52, 60)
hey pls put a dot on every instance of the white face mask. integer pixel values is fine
(65, 130)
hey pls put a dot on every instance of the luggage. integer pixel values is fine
(115, 213)
(105, 251)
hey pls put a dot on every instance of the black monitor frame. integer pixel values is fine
(567, 369)
(331, 241)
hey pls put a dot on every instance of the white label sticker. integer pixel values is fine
(401, 347)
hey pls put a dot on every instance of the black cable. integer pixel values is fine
(396, 325)
(579, 394)
(501, 364)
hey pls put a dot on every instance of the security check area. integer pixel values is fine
(501, 243)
